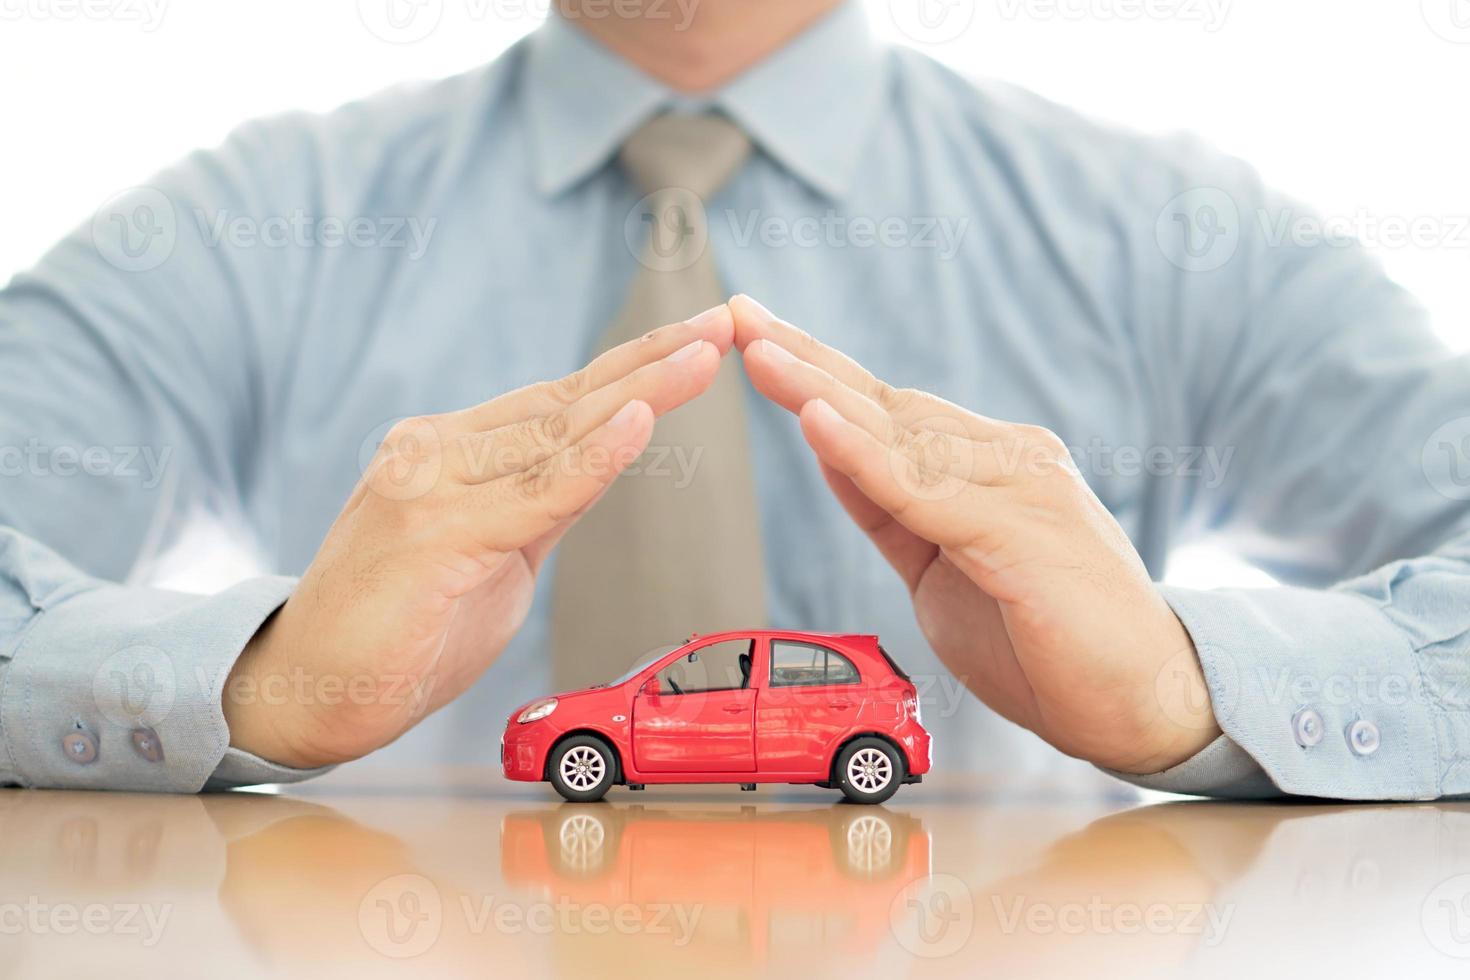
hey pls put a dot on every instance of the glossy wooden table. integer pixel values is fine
(457, 873)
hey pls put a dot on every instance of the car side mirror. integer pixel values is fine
(650, 688)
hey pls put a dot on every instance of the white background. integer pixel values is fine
(1356, 106)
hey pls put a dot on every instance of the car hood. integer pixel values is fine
(611, 693)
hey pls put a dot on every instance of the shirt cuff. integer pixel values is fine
(116, 687)
(1317, 692)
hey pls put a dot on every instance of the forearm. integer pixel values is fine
(1357, 692)
(104, 686)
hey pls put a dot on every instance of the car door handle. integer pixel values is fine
(840, 703)
(733, 709)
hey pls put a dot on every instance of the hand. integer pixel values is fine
(1022, 582)
(429, 570)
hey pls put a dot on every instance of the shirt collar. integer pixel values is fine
(811, 105)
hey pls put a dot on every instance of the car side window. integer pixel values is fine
(723, 666)
(797, 664)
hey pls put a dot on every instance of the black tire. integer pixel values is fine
(587, 785)
(871, 786)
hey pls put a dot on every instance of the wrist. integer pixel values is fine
(1184, 722)
(257, 725)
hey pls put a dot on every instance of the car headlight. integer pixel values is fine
(537, 711)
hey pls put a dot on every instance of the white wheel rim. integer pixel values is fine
(582, 768)
(869, 844)
(582, 837)
(869, 770)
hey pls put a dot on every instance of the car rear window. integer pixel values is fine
(891, 663)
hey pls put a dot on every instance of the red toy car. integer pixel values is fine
(762, 706)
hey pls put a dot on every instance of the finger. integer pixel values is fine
(663, 385)
(908, 553)
(509, 513)
(959, 443)
(754, 324)
(791, 382)
(714, 326)
(933, 505)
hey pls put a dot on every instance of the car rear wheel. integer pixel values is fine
(583, 769)
(869, 771)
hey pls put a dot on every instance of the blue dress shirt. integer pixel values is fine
(236, 336)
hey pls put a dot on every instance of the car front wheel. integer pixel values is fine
(869, 771)
(583, 769)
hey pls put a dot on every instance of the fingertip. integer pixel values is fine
(819, 412)
(819, 422)
(749, 319)
(717, 326)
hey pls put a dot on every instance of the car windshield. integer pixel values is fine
(647, 660)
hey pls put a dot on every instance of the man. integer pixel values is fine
(1088, 351)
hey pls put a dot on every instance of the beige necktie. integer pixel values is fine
(665, 554)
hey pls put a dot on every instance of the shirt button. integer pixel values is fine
(1362, 737)
(79, 747)
(145, 741)
(1306, 725)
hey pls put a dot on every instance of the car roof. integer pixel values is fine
(773, 632)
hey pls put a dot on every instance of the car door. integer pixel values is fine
(697, 714)
(812, 694)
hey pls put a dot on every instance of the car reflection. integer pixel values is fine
(759, 884)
